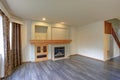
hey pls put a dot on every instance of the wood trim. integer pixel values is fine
(37, 42)
(108, 27)
(41, 53)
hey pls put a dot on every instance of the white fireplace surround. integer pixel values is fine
(60, 45)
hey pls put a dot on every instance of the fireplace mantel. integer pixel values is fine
(37, 42)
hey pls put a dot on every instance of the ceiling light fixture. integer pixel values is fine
(44, 19)
(62, 22)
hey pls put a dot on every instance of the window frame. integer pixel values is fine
(1, 36)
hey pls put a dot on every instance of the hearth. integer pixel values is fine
(59, 52)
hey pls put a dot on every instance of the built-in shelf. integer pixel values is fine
(37, 42)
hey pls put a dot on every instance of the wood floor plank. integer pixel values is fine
(74, 68)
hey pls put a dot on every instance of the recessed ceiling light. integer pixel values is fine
(62, 22)
(44, 19)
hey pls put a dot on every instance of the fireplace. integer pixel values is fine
(59, 52)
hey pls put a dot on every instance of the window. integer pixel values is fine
(1, 37)
(10, 37)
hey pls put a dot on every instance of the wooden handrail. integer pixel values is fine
(109, 30)
(115, 37)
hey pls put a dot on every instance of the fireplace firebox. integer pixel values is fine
(59, 52)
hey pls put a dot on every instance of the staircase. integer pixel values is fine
(109, 29)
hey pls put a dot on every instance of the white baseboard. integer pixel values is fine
(91, 57)
(111, 58)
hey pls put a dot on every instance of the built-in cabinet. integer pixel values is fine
(41, 52)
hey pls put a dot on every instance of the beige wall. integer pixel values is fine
(60, 33)
(73, 37)
(90, 40)
(26, 36)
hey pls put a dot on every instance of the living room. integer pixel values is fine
(50, 40)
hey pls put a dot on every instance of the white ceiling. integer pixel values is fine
(73, 12)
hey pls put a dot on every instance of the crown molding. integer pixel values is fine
(5, 4)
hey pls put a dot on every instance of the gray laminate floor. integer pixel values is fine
(74, 68)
